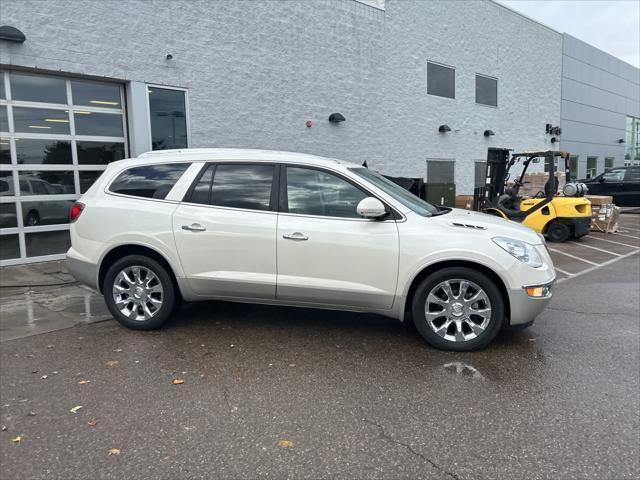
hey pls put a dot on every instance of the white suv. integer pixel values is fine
(295, 229)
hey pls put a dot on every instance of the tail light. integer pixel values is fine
(76, 210)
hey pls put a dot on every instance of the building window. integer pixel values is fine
(168, 118)
(592, 166)
(57, 135)
(573, 166)
(486, 90)
(441, 80)
(632, 142)
(608, 163)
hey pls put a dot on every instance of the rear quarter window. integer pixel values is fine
(149, 181)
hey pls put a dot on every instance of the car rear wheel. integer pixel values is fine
(459, 309)
(139, 292)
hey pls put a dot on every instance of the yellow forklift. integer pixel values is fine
(559, 217)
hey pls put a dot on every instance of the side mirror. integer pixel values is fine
(371, 207)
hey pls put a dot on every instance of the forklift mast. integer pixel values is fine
(495, 179)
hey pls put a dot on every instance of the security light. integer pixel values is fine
(489, 133)
(621, 140)
(444, 128)
(336, 118)
(11, 34)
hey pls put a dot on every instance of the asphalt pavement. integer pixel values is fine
(293, 393)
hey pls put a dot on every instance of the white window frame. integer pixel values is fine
(73, 167)
(186, 111)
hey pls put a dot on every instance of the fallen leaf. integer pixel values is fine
(50, 346)
(44, 377)
(177, 381)
(285, 444)
(34, 371)
(112, 363)
(92, 423)
(75, 409)
(32, 414)
(118, 350)
(4, 428)
(84, 382)
(114, 451)
(18, 439)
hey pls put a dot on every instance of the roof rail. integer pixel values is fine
(154, 153)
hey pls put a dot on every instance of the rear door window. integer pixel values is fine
(633, 175)
(149, 181)
(242, 186)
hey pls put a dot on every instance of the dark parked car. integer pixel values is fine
(623, 183)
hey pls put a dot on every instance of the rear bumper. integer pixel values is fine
(83, 271)
(524, 309)
(581, 226)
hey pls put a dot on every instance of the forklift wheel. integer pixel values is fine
(558, 232)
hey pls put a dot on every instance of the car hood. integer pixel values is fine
(458, 219)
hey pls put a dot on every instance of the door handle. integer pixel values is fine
(194, 227)
(295, 236)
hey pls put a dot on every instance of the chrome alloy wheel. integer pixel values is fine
(458, 310)
(137, 293)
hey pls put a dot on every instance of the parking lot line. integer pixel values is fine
(630, 228)
(596, 248)
(564, 272)
(630, 236)
(611, 241)
(573, 256)
(596, 267)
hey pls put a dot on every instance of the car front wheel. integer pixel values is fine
(139, 292)
(459, 309)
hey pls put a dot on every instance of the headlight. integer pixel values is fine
(523, 251)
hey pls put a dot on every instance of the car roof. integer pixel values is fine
(237, 154)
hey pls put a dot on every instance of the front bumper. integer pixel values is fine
(83, 271)
(523, 308)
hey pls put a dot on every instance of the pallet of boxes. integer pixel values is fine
(605, 215)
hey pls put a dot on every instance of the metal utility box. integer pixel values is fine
(440, 194)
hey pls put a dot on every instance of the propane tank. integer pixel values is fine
(575, 189)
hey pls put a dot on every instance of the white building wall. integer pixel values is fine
(474, 37)
(599, 91)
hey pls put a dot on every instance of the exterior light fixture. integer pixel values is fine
(554, 139)
(336, 118)
(444, 128)
(489, 133)
(621, 140)
(169, 56)
(11, 34)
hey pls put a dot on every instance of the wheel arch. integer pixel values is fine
(434, 267)
(134, 249)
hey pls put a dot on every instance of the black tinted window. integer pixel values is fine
(486, 90)
(200, 193)
(441, 80)
(314, 192)
(633, 175)
(242, 186)
(151, 181)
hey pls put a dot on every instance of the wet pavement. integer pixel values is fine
(357, 396)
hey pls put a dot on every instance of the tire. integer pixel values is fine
(33, 219)
(151, 302)
(458, 335)
(558, 232)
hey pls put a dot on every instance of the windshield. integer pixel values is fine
(405, 197)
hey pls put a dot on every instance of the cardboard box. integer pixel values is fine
(599, 199)
(464, 201)
(605, 217)
(535, 182)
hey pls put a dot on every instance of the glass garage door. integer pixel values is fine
(56, 137)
